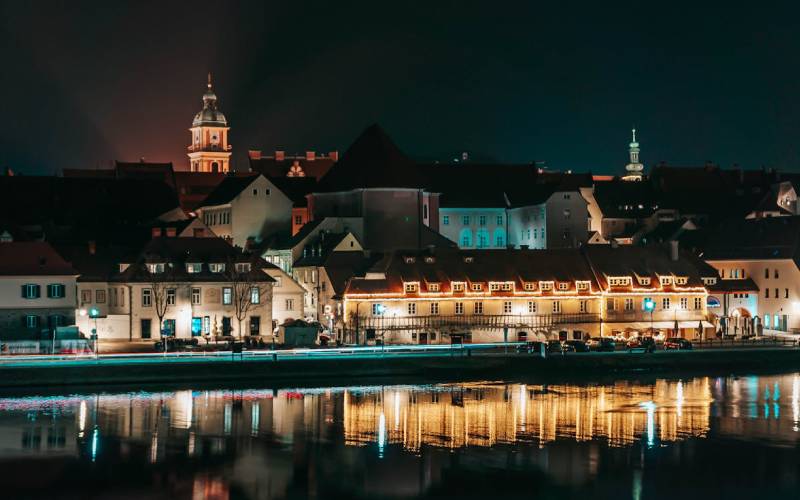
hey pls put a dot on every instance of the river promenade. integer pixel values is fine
(373, 363)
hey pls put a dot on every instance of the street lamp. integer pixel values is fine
(650, 306)
(93, 314)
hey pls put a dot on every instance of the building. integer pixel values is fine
(759, 258)
(451, 295)
(634, 170)
(311, 165)
(209, 150)
(37, 288)
(287, 296)
(184, 287)
(246, 209)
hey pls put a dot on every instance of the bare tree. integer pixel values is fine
(249, 288)
(161, 286)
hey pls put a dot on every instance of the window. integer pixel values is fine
(216, 268)
(433, 287)
(499, 220)
(786, 293)
(408, 260)
(583, 306)
(171, 296)
(147, 297)
(776, 274)
(155, 268)
(665, 280)
(377, 309)
(629, 304)
(477, 287)
(529, 286)
(255, 295)
(86, 296)
(477, 308)
(243, 267)
(466, 238)
(458, 287)
(507, 287)
(298, 219)
(411, 287)
(665, 303)
(709, 281)
(776, 293)
(611, 305)
(100, 296)
(644, 281)
(195, 296)
(499, 238)
(465, 220)
(507, 307)
(567, 196)
(582, 285)
(55, 291)
(556, 306)
(31, 321)
(531, 307)
(31, 291)
(412, 308)
(194, 268)
(766, 277)
(227, 296)
(766, 293)
(290, 304)
(682, 280)
(767, 323)
(684, 303)
(567, 213)
(494, 286)
(545, 285)
(425, 211)
(445, 220)
(434, 308)
(698, 303)
(255, 192)
(563, 286)
(459, 308)
(619, 281)
(482, 220)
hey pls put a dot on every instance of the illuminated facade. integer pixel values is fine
(634, 170)
(210, 150)
(449, 295)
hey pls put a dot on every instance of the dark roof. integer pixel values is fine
(314, 169)
(634, 261)
(341, 266)
(733, 286)
(625, 199)
(755, 239)
(32, 258)
(295, 188)
(319, 248)
(228, 189)
(372, 161)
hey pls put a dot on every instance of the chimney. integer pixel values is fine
(334, 155)
(171, 232)
(310, 155)
(92, 247)
(280, 155)
(156, 232)
(673, 250)
(254, 154)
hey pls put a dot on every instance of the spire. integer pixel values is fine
(633, 130)
(634, 169)
(209, 83)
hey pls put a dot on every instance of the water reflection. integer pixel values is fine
(264, 441)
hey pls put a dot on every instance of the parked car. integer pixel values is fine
(554, 347)
(574, 346)
(648, 344)
(677, 343)
(602, 344)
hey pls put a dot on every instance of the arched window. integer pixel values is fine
(499, 238)
(482, 238)
(214, 167)
(465, 238)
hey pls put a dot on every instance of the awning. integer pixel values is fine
(658, 325)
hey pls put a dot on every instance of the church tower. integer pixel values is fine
(634, 169)
(209, 151)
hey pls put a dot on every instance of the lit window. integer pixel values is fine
(445, 220)
(195, 296)
(227, 296)
(477, 287)
(684, 303)
(412, 308)
(698, 303)
(255, 295)
(147, 297)
(434, 308)
(433, 287)
(529, 286)
(629, 304)
(458, 287)
(290, 304)
(377, 309)
(459, 308)
(155, 268)
(507, 307)
(665, 303)
(194, 268)
(477, 308)
(411, 287)
(531, 307)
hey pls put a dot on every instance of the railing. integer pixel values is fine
(468, 322)
(752, 342)
(209, 147)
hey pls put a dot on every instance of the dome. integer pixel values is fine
(209, 115)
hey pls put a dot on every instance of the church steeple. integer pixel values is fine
(209, 151)
(634, 169)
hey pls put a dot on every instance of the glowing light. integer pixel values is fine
(381, 434)
(651, 421)
(95, 442)
(82, 418)
(255, 418)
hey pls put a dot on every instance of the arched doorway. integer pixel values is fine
(740, 321)
(214, 167)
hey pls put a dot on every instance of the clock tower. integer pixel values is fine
(209, 151)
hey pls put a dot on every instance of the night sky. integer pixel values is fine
(84, 83)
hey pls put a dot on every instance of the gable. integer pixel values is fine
(348, 244)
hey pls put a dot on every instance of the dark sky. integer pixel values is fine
(84, 83)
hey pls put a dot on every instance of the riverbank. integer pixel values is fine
(376, 368)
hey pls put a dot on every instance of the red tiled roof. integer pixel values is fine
(32, 258)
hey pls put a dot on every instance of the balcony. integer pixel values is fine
(212, 148)
(469, 322)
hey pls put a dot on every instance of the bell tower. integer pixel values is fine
(209, 150)
(634, 170)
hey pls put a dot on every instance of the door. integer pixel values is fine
(226, 326)
(169, 328)
(255, 325)
(423, 338)
(146, 324)
(197, 326)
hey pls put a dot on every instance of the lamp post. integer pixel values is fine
(93, 314)
(650, 306)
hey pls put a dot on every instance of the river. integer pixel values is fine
(700, 437)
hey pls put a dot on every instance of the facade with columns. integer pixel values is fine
(209, 150)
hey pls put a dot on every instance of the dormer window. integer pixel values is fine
(411, 288)
(243, 267)
(529, 286)
(507, 287)
(644, 281)
(619, 281)
(709, 281)
(545, 286)
(433, 287)
(582, 285)
(458, 286)
(429, 260)
(665, 280)
(494, 286)
(193, 268)
(563, 286)
(216, 267)
(477, 287)
(681, 280)
(124, 267)
(156, 268)
(409, 260)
